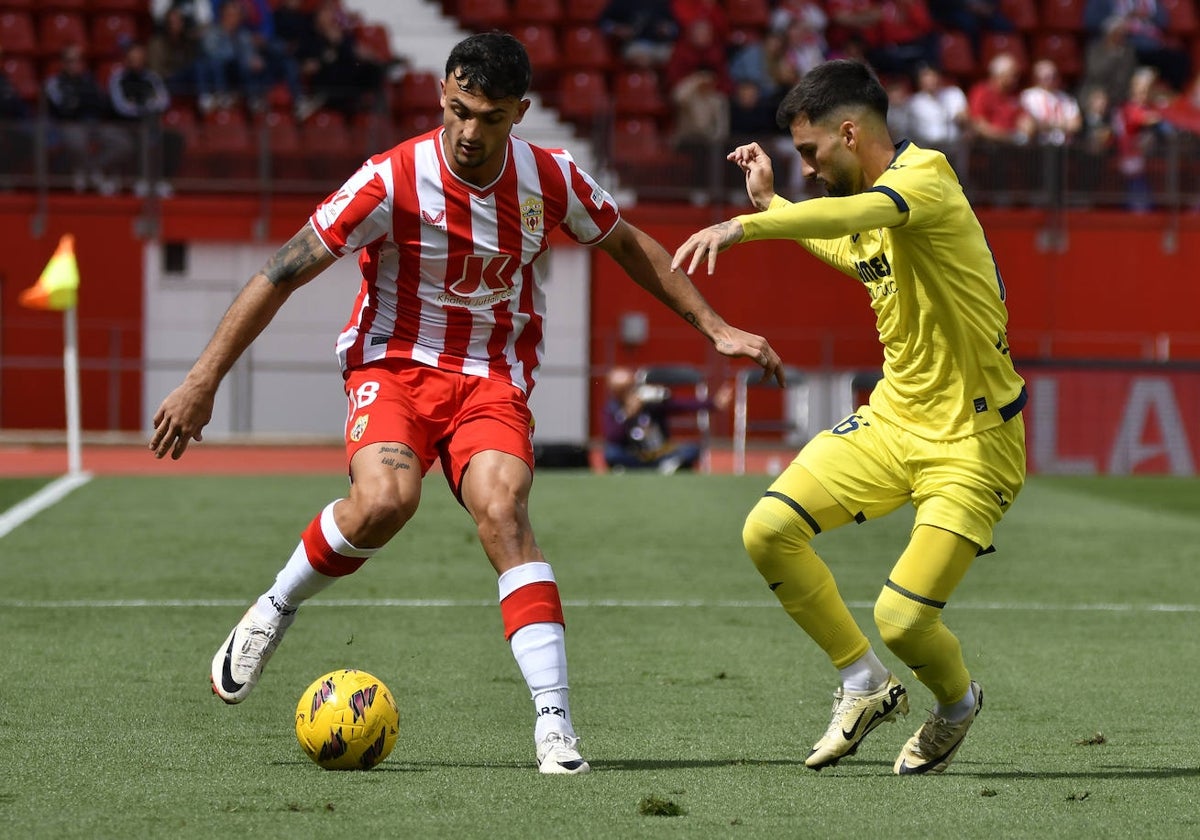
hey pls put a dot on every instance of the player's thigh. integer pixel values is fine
(491, 417)
(398, 401)
(967, 485)
(860, 464)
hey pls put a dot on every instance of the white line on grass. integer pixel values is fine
(52, 493)
(137, 603)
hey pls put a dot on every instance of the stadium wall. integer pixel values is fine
(1085, 286)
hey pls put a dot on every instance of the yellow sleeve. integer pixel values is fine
(824, 218)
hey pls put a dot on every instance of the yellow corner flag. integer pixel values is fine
(58, 287)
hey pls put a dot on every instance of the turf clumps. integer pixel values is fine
(656, 806)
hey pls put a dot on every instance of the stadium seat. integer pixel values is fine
(417, 91)
(1182, 17)
(537, 11)
(583, 97)
(957, 57)
(541, 42)
(482, 15)
(639, 93)
(22, 73)
(1022, 13)
(285, 145)
(61, 29)
(17, 5)
(748, 14)
(585, 47)
(583, 11)
(333, 153)
(376, 40)
(110, 32)
(140, 7)
(229, 149)
(1012, 43)
(1063, 15)
(1063, 49)
(62, 5)
(17, 34)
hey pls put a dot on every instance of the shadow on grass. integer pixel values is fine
(1111, 772)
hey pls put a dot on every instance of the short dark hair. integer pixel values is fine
(492, 63)
(829, 86)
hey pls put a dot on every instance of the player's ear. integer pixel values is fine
(522, 107)
(848, 132)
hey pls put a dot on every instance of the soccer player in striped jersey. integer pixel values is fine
(942, 430)
(438, 358)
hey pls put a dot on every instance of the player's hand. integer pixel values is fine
(706, 244)
(760, 174)
(181, 419)
(737, 342)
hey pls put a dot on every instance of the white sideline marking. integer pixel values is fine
(52, 493)
(585, 604)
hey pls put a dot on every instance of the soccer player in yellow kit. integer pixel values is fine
(942, 429)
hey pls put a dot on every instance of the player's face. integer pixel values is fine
(827, 154)
(477, 130)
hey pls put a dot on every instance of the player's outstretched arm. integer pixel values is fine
(649, 265)
(185, 412)
(703, 246)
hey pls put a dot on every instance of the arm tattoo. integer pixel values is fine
(295, 258)
(691, 318)
(390, 457)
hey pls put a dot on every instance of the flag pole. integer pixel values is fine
(71, 382)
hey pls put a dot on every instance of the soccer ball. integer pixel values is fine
(347, 720)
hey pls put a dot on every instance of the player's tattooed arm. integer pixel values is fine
(303, 257)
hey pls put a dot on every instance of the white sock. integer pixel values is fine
(541, 653)
(866, 673)
(960, 711)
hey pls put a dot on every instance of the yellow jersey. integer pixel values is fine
(915, 244)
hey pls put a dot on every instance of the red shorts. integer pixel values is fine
(438, 414)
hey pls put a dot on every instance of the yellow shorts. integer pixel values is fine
(872, 466)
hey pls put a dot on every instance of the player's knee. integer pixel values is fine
(374, 518)
(903, 624)
(766, 533)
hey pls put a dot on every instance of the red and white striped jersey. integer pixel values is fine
(453, 274)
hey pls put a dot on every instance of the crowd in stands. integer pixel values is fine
(974, 78)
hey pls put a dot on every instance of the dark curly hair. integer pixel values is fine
(829, 86)
(492, 63)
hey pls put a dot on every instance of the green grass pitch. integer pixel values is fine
(695, 695)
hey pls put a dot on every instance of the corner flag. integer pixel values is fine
(58, 287)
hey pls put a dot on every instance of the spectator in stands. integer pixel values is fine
(806, 10)
(279, 64)
(937, 113)
(904, 38)
(994, 105)
(173, 52)
(803, 49)
(1184, 111)
(687, 12)
(139, 96)
(341, 75)
(1056, 115)
(16, 132)
(232, 60)
(81, 129)
(697, 76)
(636, 424)
(1139, 129)
(1096, 136)
(197, 13)
(1145, 27)
(1109, 62)
(293, 24)
(761, 62)
(643, 32)
(972, 17)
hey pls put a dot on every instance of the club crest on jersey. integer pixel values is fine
(359, 428)
(532, 213)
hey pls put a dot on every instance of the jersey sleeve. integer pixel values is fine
(358, 214)
(591, 213)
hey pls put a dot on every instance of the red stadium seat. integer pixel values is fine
(482, 15)
(1063, 50)
(583, 97)
(583, 11)
(1182, 17)
(140, 7)
(20, 71)
(62, 5)
(417, 91)
(1022, 13)
(585, 47)
(285, 145)
(229, 148)
(1063, 15)
(1012, 43)
(537, 11)
(958, 59)
(111, 32)
(333, 154)
(17, 34)
(61, 29)
(639, 93)
(376, 40)
(748, 14)
(541, 42)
